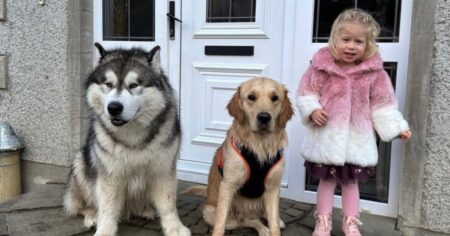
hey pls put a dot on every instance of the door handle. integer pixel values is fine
(172, 19)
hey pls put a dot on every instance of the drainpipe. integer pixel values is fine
(10, 147)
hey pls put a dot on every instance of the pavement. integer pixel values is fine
(40, 212)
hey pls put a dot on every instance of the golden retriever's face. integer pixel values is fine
(261, 103)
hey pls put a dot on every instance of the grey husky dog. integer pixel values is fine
(128, 163)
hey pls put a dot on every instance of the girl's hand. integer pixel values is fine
(319, 117)
(405, 135)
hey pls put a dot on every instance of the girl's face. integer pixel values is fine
(351, 44)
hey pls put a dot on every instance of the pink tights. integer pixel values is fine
(350, 197)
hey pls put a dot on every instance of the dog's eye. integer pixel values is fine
(132, 86)
(274, 98)
(251, 97)
(109, 85)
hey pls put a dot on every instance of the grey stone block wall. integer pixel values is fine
(34, 37)
(49, 49)
(436, 198)
(425, 193)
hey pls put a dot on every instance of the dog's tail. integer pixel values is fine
(198, 190)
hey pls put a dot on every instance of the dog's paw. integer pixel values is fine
(149, 214)
(103, 234)
(282, 224)
(106, 230)
(89, 222)
(264, 231)
(178, 231)
(89, 218)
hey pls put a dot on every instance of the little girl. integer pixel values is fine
(343, 97)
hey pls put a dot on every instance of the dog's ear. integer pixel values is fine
(101, 50)
(286, 111)
(154, 59)
(235, 107)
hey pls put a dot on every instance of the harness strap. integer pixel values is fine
(220, 163)
(271, 168)
(257, 173)
(238, 152)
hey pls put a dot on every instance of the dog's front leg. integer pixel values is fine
(226, 193)
(110, 198)
(272, 203)
(163, 194)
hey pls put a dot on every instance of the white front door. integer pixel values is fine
(223, 44)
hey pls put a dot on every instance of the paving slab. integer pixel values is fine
(296, 229)
(4, 210)
(46, 196)
(126, 229)
(6, 205)
(45, 222)
(3, 226)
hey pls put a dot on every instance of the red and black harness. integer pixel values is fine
(257, 171)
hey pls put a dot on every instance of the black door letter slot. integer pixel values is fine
(229, 50)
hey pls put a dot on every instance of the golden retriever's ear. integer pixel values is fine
(286, 111)
(235, 107)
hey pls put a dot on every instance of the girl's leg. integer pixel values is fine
(350, 209)
(350, 199)
(325, 193)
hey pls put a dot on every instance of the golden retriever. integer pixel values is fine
(244, 179)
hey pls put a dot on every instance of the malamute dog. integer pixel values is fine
(128, 162)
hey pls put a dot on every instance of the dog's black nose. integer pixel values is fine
(115, 108)
(264, 117)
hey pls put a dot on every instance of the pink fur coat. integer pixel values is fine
(359, 100)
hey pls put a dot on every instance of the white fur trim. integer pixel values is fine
(337, 146)
(362, 148)
(388, 122)
(306, 105)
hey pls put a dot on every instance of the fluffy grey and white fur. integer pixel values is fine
(128, 164)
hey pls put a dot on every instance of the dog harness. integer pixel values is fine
(257, 172)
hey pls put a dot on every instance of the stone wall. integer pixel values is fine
(425, 192)
(37, 99)
(436, 198)
(49, 50)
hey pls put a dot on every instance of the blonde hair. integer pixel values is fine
(357, 16)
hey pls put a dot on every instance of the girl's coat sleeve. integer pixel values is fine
(308, 94)
(387, 120)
